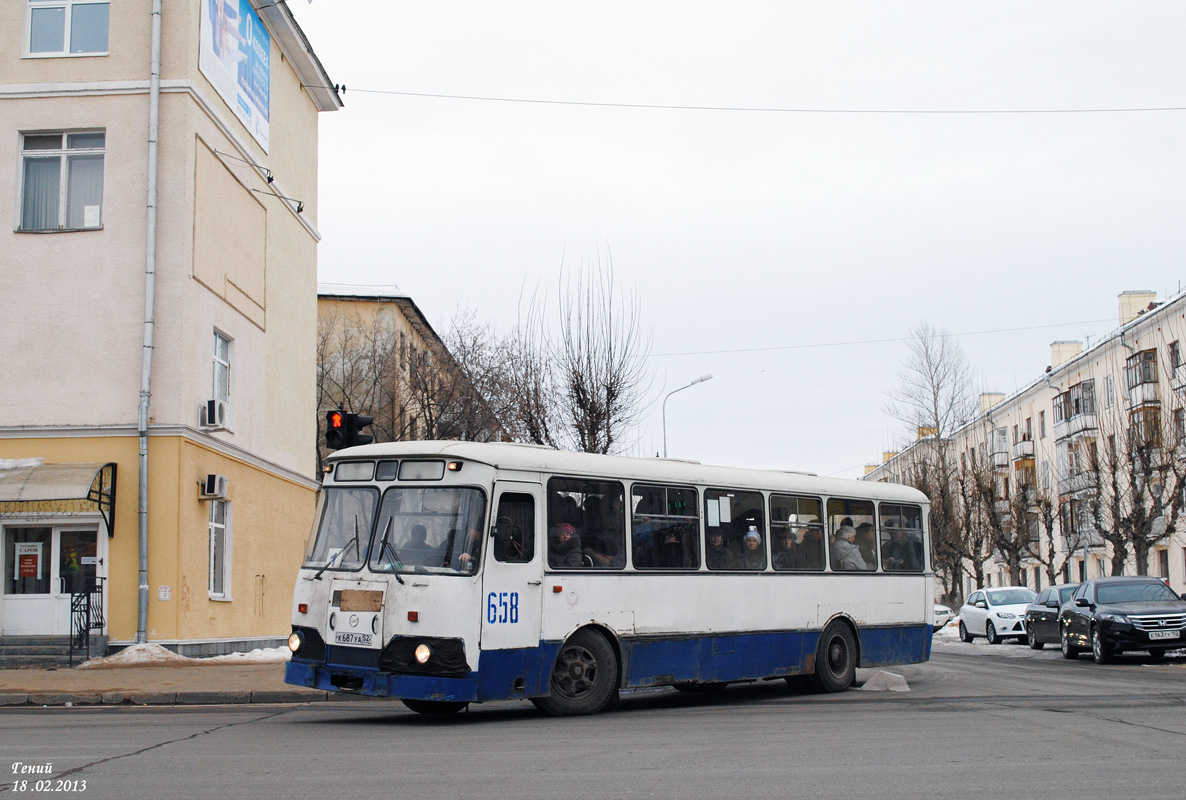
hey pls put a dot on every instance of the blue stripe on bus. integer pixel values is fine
(647, 661)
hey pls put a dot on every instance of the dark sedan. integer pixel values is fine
(1111, 615)
(1041, 616)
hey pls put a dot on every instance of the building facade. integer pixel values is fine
(377, 354)
(1081, 472)
(158, 299)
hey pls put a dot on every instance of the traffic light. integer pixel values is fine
(354, 424)
(335, 430)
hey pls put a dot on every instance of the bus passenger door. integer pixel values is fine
(512, 577)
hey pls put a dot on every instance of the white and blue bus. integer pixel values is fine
(446, 573)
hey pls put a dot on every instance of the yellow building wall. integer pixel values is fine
(270, 522)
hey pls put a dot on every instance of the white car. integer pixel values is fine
(943, 615)
(995, 614)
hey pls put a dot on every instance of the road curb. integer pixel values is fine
(192, 698)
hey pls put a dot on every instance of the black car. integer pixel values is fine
(1111, 615)
(1041, 616)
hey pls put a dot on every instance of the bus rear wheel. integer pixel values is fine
(584, 679)
(835, 659)
(434, 707)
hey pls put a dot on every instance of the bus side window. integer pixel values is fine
(514, 528)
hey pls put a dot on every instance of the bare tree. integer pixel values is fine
(600, 355)
(1136, 495)
(580, 381)
(357, 371)
(1049, 534)
(934, 398)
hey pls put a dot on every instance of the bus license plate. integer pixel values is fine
(359, 639)
(1163, 634)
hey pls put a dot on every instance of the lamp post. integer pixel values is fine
(701, 379)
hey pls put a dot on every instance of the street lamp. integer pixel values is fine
(701, 379)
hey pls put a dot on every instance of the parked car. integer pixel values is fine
(1111, 615)
(1041, 616)
(943, 615)
(996, 614)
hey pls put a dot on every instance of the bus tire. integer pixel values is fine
(434, 707)
(835, 659)
(584, 679)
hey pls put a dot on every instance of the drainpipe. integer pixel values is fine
(154, 113)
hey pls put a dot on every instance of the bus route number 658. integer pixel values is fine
(502, 607)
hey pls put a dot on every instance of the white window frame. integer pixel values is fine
(68, 9)
(219, 364)
(64, 155)
(213, 527)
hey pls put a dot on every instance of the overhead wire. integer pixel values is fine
(773, 109)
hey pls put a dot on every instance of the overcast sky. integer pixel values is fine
(760, 242)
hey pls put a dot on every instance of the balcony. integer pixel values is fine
(1074, 484)
(1000, 460)
(1075, 426)
(1144, 394)
(1023, 450)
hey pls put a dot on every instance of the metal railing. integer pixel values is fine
(86, 615)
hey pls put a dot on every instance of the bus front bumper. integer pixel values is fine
(381, 684)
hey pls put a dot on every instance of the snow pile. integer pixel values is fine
(138, 655)
(152, 655)
(20, 463)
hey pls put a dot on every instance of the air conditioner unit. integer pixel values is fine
(213, 415)
(213, 487)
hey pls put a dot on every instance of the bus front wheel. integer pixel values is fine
(584, 679)
(434, 707)
(835, 659)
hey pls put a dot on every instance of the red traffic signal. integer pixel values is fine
(335, 430)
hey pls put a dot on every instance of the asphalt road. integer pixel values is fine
(1002, 721)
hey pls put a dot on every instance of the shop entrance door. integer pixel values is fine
(41, 566)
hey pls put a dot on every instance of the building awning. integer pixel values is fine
(53, 489)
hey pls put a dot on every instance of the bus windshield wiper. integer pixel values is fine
(385, 547)
(340, 553)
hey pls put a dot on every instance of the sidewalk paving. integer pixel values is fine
(187, 683)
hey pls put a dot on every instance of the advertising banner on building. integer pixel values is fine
(28, 560)
(235, 56)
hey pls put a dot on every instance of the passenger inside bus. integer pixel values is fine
(845, 553)
(809, 553)
(564, 547)
(718, 555)
(754, 554)
(467, 559)
(417, 551)
(867, 543)
(787, 555)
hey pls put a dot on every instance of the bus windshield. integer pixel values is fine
(340, 539)
(429, 530)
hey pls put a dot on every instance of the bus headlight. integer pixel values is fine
(423, 653)
(295, 641)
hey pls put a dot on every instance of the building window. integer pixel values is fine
(222, 368)
(220, 550)
(62, 181)
(1163, 564)
(1041, 424)
(1109, 392)
(1180, 424)
(1175, 355)
(1146, 427)
(1141, 368)
(67, 27)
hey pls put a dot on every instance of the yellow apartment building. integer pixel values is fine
(1047, 437)
(158, 303)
